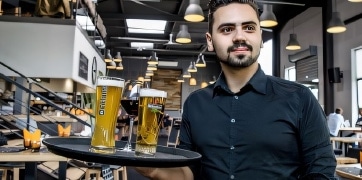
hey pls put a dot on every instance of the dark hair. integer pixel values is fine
(215, 4)
(338, 111)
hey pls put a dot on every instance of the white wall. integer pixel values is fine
(46, 50)
(308, 27)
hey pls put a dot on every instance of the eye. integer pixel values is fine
(250, 28)
(226, 29)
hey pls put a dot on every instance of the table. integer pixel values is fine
(348, 175)
(32, 158)
(344, 141)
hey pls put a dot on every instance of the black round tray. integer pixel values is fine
(78, 148)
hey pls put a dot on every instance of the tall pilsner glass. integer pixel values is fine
(150, 113)
(108, 95)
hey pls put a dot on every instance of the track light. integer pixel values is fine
(183, 36)
(267, 18)
(194, 12)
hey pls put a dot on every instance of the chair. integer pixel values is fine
(96, 169)
(173, 136)
(14, 167)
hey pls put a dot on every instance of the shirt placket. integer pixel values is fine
(233, 134)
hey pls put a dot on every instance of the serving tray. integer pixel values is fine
(78, 148)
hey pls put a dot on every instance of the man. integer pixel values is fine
(335, 121)
(248, 125)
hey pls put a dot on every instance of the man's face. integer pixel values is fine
(236, 36)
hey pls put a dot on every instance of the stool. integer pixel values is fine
(116, 170)
(14, 167)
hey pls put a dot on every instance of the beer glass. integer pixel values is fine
(108, 95)
(150, 114)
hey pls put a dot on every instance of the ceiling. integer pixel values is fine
(114, 13)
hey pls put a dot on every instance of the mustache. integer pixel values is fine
(236, 45)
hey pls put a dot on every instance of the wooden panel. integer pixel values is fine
(166, 80)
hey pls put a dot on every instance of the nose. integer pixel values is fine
(239, 35)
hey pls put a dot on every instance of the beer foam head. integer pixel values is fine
(110, 81)
(147, 92)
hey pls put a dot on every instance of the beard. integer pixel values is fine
(240, 61)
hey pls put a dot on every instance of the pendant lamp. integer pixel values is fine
(153, 58)
(200, 62)
(194, 12)
(108, 56)
(293, 43)
(118, 57)
(336, 25)
(267, 18)
(192, 67)
(183, 36)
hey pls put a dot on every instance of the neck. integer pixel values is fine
(236, 78)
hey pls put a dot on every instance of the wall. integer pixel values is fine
(30, 44)
(308, 27)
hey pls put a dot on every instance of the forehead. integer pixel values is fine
(235, 13)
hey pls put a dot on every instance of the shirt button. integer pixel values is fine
(232, 120)
(232, 177)
(232, 147)
(236, 97)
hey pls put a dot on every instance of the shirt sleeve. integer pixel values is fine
(317, 152)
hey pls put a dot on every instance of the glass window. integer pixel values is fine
(290, 73)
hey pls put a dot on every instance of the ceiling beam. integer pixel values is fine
(166, 51)
(120, 16)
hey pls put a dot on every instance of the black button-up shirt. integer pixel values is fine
(271, 129)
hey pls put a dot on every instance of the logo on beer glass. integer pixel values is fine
(150, 113)
(102, 103)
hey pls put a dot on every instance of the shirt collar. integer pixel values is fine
(258, 83)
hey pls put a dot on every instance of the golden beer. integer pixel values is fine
(150, 114)
(108, 95)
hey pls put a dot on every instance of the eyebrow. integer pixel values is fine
(233, 24)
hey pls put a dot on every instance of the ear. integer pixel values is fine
(210, 46)
(262, 42)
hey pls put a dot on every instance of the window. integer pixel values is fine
(359, 76)
(290, 73)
